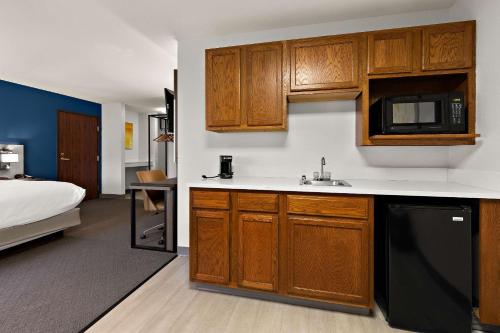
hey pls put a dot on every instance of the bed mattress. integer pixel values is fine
(23, 202)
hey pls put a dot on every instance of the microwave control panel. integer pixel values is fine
(457, 112)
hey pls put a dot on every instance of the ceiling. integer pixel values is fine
(125, 50)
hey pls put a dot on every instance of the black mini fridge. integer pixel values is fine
(424, 281)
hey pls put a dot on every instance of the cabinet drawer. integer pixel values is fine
(210, 199)
(343, 206)
(258, 202)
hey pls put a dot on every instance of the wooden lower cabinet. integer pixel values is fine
(489, 262)
(312, 246)
(209, 246)
(258, 251)
(328, 258)
(277, 243)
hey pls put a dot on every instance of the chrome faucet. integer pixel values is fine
(323, 163)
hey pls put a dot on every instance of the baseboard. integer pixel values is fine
(477, 326)
(282, 299)
(182, 251)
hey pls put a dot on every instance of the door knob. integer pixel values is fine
(62, 158)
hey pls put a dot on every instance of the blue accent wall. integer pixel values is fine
(28, 116)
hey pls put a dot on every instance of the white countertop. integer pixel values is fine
(359, 186)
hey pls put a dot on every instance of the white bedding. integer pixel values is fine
(23, 202)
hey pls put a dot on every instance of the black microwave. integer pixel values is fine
(419, 114)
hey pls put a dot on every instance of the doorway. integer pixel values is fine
(78, 151)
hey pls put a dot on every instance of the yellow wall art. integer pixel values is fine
(129, 135)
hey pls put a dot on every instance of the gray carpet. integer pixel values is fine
(61, 284)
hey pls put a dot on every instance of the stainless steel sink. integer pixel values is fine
(333, 182)
(323, 178)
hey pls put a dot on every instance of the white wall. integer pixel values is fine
(115, 177)
(143, 137)
(113, 148)
(138, 117)
(480, 164)
(139, 151)
(315, 129)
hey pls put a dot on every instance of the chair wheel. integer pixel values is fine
(143, 237)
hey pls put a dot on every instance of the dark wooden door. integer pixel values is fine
(78, 154)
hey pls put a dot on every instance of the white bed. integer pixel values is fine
(31, 209)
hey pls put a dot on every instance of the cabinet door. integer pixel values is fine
(258, 251)
(209, 246)
(329, 258)
(489, 259)
(222, 84)
(390, 52)
(448, 46)
(263, 99)
(324, 63)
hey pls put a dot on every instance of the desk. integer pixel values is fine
(169, 187)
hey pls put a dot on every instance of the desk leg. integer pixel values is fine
(171, 221)
(132, 218)
(173, 194)
(166, 212)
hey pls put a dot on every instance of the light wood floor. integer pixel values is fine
(166, 304)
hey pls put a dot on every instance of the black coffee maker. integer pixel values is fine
(226, 169)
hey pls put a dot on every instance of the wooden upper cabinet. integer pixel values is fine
(263, 99)
(209, 246)
(258, 251)
(329, 258)
(448, 46)
(222, 84)
(324, 63)
(248, 87)
(390, 52)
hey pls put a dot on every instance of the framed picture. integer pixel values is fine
(129, 135)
